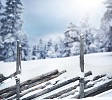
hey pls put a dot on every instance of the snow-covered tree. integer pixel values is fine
(88, 36)
(60, 48)
(34, 52)
(41, 50)
(106, 21)
(71, 41)
(24, 44)
(51, 49)
(12, 30)
(109, 40)
(106, 25)
(1, 43)
(99, 41)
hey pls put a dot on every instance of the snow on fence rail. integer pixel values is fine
(37, 84)
(10, 91)
(34, 84)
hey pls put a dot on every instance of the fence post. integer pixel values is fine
(18, 70)
(81, 92)
(17, 88)
(20, 55)
(17, 60)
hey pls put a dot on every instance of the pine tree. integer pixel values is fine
(71, 41)
(25, 46)
(89, 42)
(106, 25)
(106, 21)
(86, 31)
(50, 50)
(12, 30)
(41, 50)
(34, 52)
(109, 40)
(59, 49)
(1, 43)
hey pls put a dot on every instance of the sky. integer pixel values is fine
(45, 18)
(50, 17)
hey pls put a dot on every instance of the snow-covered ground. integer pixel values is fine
(105, 94)
(98, 63)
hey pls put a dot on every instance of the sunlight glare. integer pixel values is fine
(89, 4)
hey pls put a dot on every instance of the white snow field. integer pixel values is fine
(98, 63)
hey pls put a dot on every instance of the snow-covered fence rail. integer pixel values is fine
(56, 87)
(51, 88)
(18, 64)
(26, 87)
(97, 90)
(10, 76)
(68, 89)
(29, 81)
(72, 90)
(98, 77)
(61, 92)
(10, 91)
(45, 90)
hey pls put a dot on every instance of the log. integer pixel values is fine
(86, 81)
(40, 87)
(24, 93)
(10, 76)
(24, 87)
(68, 94)
(42, 81)
(96, 81)
(88, 74)
(88, 86)
(65, 91)
(1, 77)
(98, 77)
(61, 92)
(33, 80)
(51, 88)
(32, 85)
(54, 72)
(55, 87)
(97, 90)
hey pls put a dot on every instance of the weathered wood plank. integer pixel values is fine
(11, 93)
(55, 87)
(30, 81)
(10, 76)
(88, 74)
(68, 94)
(97, 90)
(67, 90)
(98, 77)
(52, 88)
(102, 88)
(61, 92)
(31, 90)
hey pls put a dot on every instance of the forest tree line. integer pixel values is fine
(95, 40)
